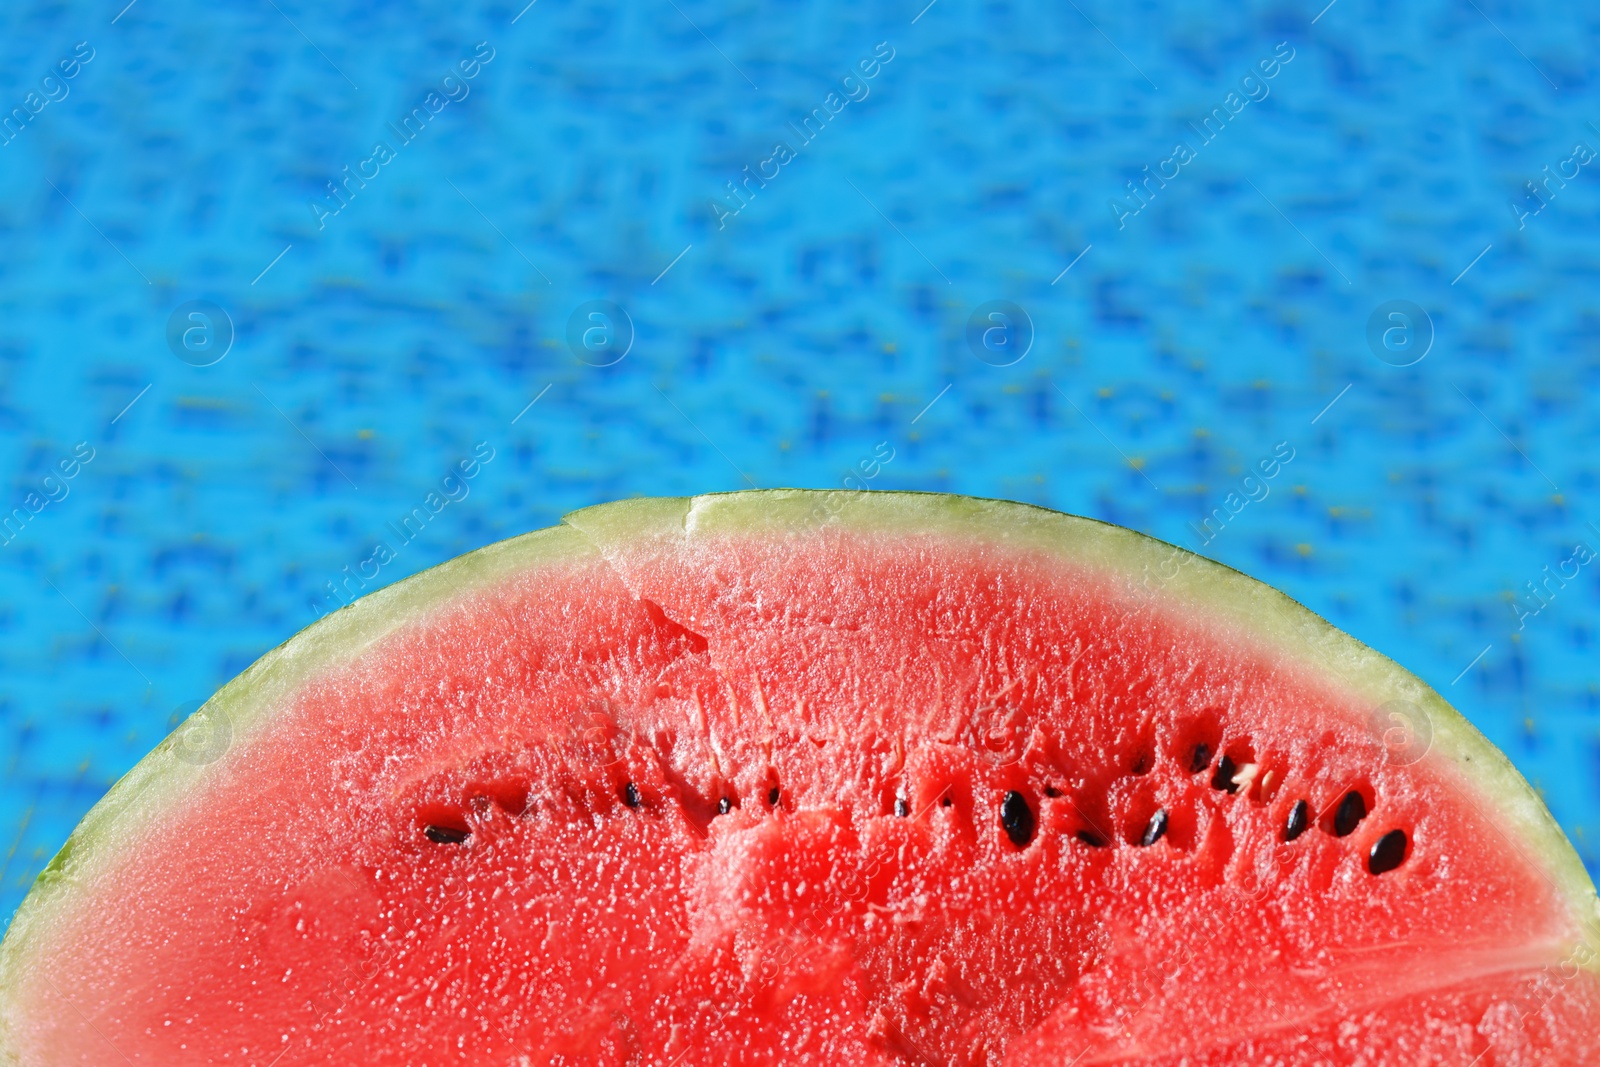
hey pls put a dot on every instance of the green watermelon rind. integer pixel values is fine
(245, 703)
(1255, 611)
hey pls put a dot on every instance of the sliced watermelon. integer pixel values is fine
(814, 778)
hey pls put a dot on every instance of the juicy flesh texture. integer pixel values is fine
(296, 912)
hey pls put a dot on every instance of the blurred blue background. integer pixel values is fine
(379, 336)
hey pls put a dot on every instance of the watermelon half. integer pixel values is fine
(814, 778)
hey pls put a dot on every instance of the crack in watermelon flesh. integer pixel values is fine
(841, 797)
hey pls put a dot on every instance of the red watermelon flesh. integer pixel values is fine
(799, 778)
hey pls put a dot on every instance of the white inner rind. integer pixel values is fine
(1245, 609)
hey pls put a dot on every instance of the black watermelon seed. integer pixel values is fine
(1223, 779)
(1201, 758)
(945, 802)
(1051, 791)
(446, 835)
(1157, 827)
(1298, 820)
(1352, 809)
(1017, 818)
(724, 805)
(901, 808)
(1388, 853)
(1092, 839)
(630, 795)
(772, 797)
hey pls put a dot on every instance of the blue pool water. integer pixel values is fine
(819, 319)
